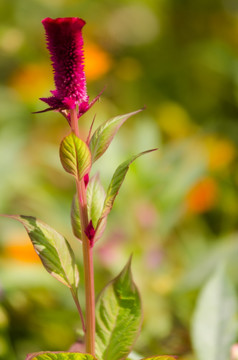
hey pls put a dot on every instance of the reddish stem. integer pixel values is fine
(87, 254)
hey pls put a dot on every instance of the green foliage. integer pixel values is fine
(214, 324)
(53, 249)
(95, 200)
(60, 356)
(118, 317)
(115, 184)
(75, 218)
(105, 133)
(75, 156)
(163, 357)
(187, 77)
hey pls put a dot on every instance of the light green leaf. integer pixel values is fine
(105, 133)
(118, 317)
(95, 201)
(116, 183)
(75, 156)
(214, 327)
(75, 218)
(59, 356)
(53, 250)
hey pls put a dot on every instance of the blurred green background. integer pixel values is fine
(178, 209)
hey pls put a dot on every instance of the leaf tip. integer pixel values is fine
(126, 271)
(128, 264)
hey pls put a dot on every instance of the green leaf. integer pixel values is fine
(116, 183)
(118, 317)
(53, 250)
(75, 156)
(95, 200)
(105, 133)
(214, 327)
(59, 356)
(75, 218)
(162, 357)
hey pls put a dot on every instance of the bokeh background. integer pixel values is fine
(178, 208)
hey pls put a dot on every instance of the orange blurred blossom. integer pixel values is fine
(202, 196)
(31, 81)
(21, 249)
(97, 62)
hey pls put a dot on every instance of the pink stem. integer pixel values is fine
(87, 254)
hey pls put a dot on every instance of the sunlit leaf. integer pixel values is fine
(105, 133)
(214, 327)
(53, 249)
(95, 201)
(59, 356)
(75, 156)
(116, 183)
(162, 357)
(118, 317)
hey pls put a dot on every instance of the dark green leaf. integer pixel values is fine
(53, 250)
(214, 327)
(105, 133)
(75, 156)
(118, 317)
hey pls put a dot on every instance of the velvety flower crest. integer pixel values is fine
(65, 44)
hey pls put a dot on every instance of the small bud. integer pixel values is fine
(90, 232)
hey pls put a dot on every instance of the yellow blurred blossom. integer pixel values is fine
(11, 39)
(32, 81)
(221, 152)
(163, 284)
(97, 62)
(174, 120)
(202, 196)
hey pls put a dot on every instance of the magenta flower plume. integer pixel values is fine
(65, 44)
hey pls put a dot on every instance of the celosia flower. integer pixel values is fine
(65, 44)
